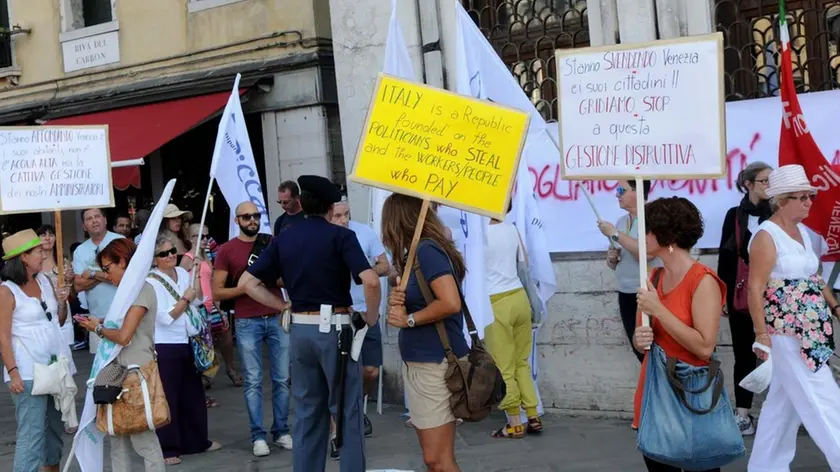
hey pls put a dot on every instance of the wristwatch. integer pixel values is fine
(614, 237)
(411, 321)
(98, 330)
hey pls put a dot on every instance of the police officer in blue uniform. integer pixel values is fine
(316, 260)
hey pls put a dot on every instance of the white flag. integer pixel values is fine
(489, 78)
(467, 229)
(472, 227)
(88, 443)
(233, 164)
(397, 63)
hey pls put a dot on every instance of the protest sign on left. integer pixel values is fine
(50, 168)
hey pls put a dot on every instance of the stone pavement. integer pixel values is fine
(569, 444)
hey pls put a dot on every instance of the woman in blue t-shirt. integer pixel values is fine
(424, 362)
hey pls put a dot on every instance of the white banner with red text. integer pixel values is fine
(752, 134)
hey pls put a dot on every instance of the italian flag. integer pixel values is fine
(797, 146)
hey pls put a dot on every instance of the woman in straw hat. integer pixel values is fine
(792, 311)
(31, 314)
(175, 227)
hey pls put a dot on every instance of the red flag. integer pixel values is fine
(797, 146)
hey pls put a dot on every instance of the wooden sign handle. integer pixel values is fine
(59, 249)
(412, 250)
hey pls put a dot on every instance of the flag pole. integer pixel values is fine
(213, 165)
(201, 227)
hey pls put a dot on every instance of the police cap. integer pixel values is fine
(320, 188)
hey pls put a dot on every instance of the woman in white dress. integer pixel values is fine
(792, 310)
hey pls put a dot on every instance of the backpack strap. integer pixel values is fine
(429, 296)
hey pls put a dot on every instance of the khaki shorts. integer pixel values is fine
(427, 394)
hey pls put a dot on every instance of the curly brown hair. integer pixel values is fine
(674, 221)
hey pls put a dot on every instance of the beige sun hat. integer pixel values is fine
(789, 179)
(19, 243)
(172, 211)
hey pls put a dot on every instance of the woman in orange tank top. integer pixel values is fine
(685, 305)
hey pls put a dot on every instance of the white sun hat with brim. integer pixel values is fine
(172, 211)
(789, 179)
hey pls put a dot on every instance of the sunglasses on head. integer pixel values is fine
(46, 310)
(169, 252)
(250, 216)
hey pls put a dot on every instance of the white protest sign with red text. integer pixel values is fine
(752, 134)
(650, 110)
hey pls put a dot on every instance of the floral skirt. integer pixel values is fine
(796, 307)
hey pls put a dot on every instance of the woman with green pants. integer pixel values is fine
(508, 338)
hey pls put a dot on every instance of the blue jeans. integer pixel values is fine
(251, 333)
(39, 430)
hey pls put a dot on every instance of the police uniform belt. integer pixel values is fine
(307, 319)
(337, 311)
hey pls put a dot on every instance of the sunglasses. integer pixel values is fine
(804, 198)
(250, 216)
(762, 181)
(620, 191)
(170, 252)
(203, 236)
(46, 310)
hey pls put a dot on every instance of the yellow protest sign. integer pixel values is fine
(437, 145)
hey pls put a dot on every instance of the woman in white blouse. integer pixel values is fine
(187, 432)
(792, 310)
(30, 316)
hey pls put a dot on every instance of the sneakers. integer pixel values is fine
(334, 453)
(368, 428)
(261, 448)
(284, 441)
(746, 424)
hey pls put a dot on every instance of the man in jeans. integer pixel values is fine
(256, 325)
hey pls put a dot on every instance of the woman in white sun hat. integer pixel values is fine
(175, 226)
(792, 311)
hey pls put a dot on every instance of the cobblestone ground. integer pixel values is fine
(568, 444)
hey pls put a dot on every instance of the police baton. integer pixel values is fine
(345, 340)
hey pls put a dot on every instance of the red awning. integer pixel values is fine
(135, 132)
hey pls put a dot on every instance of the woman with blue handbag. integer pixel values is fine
(682, 411)
(174, 327)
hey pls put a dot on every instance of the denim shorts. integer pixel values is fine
(39, 430)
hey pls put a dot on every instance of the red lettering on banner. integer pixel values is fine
(548, 184)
